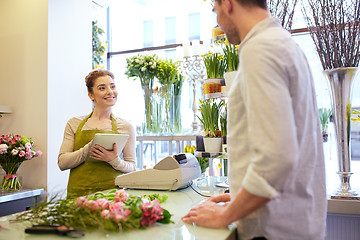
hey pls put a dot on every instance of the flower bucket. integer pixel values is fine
(213, 144)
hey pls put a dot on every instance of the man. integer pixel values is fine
(276, 162)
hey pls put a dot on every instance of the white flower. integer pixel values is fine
(137, 60)
(14, 152)
(143, 69)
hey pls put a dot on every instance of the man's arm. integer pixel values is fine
(211, 214)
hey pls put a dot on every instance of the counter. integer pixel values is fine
(13, 202)
(179, 203)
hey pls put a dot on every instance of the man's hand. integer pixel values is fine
(207, 214)
(100, 153)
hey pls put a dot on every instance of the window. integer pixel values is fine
(158, 23)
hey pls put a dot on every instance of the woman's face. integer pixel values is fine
(104, 93)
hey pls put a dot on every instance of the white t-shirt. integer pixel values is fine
(274, 137)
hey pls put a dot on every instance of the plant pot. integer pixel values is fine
(213, 144)
(229, 78)
(212, 85)
(200, 144)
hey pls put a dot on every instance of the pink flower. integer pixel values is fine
(80, 202)
(3, 148)
(103, 203)
(105, 214)
(5, 137)
(92, 205)
(116, 206)
(12, 142)
(21, 153)
(38, 153)
(17, 137)
(28, 155)
(152, 212)
(27, 146)
(121, 196)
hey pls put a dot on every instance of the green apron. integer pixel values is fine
(91, 176)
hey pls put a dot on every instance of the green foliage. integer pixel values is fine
(231, 55)
(204, 163)
(98, 49)
(167, 71)
(215, 65)
(210, 111)
(324, 115)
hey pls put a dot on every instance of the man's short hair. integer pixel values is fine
(251, 3)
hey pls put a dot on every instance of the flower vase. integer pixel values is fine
(10, 181)
(167, 108)
(177, 114)
(341, 81)
(148, 121)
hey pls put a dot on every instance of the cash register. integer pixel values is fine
(171, 173)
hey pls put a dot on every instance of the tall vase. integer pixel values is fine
(167, 107)
(148, 121)
(341, 81)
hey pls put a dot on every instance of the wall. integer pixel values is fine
(45, 51)
(23, 67)
(69, 60)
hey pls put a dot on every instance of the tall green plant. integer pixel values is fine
(231, 55)
(215, 65)
(98, 48)
(209, 115)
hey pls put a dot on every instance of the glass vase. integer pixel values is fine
(148, 104)
(167, 106)
(10, 181)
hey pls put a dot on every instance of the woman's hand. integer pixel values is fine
(100, 153)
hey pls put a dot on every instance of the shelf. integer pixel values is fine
(218, 39)
(209, 155)
(216, 95)
(5, 109)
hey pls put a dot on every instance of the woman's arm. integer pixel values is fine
(68, 158)
(128, 164)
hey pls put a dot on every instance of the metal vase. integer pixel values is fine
(341, 81)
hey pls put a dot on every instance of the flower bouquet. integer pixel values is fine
(144, 68)
(113, 211)
(14, 149)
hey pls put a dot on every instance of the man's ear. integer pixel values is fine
(228, 5)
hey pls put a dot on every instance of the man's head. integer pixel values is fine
(237, 17)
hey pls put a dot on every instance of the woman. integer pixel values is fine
(91, 176)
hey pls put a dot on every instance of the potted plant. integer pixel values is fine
(324, 115)
(231, 55)
(209, 117)
(215, 65)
